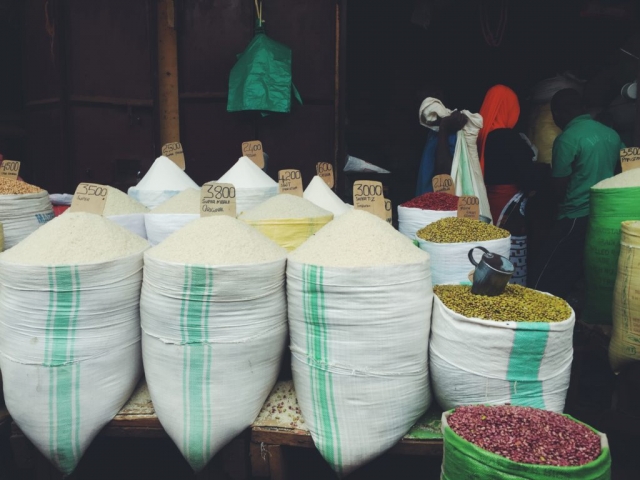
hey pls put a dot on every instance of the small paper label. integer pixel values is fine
(174, 152)
(368, 196)
(290, 182)
(253, 150)
(443, 183)
(217, 199)
(630, 158)
(469, 207)
(10, 168)
(90, 198)
(388, 209)
(325, 172)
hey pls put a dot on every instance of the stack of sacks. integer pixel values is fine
(172, 215)
(287, 219)
(612, 201)
(214, 317)
(253, 186)
(70, 331)
(23, 209)
(318, 192)
(359, 296)
(125, 211)
(163, 180)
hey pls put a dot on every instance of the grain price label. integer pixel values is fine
(388, 210)
(217, 199)
(253, 150)
(368, 196)
(174, 152)
(469, 207)
(325, 172)
(10, 168)
(290, 182)
(90, 198)
(630, 158)
(443, 183)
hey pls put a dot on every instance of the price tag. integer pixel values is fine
(253, 150)
(388, 210)
(217, 199)
(175, 153)
(325, 172)
(90, 198)
(443, 183)
(469, 207)
(290, 182)
(629, 158)
(10, 168)
(368, 196)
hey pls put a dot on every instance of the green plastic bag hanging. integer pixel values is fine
(261, 78)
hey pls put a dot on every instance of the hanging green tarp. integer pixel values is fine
(261, 78)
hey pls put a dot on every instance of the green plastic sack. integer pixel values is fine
(261, 78)
(608, 209)
(464, 460)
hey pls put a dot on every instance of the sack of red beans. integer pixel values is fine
(425, 209)
(508, 443)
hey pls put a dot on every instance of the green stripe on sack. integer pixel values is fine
(529, 344)
(196, 364)
(64, 374)
(322, 382)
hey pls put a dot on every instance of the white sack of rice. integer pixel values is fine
(628, 179)
(125, 211)
(70, 331)
(214, 324)
(287, 219)
(359, 303)
(172, 215)
(163, 180)
(253, 186)
(319, 193)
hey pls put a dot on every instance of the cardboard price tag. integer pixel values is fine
(388, 210)
(325, 172)
(90, 198)
(10, 168)
(368, 196)
(469, 207)
(217, 199)
(630, 158)
(290, 182)
(443, 183)
(253, 150)
(174, 152)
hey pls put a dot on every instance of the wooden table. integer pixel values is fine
(280, 425)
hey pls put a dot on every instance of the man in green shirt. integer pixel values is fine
(585, 153)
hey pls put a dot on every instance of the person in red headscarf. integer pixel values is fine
(507, 163)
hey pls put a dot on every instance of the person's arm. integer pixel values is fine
(562, 167)
(560, 185)
(448, 126)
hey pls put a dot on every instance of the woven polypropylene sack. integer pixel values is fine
(410, 220)
(450, 261)
(289, 233)
(70, 350)
(359, 340)
(464, 460)
(21, 215)
(625, 339)
(134, 222)
(248, 198)
(160, 225)
(476, 361)
(152, 198)
(608, 208)
(212, 343)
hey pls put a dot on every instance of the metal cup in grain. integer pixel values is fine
(492, 273)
